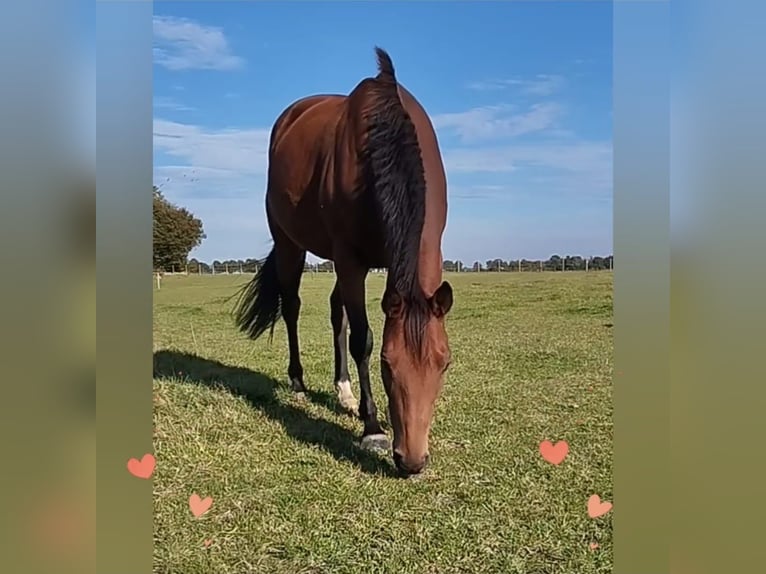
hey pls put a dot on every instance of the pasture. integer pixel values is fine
(293, 493)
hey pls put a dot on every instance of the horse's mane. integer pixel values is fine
(394, 167)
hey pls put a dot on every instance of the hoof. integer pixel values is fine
(297, 386)
(376, 443)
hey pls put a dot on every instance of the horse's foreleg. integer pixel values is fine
(351, 278)
(339, 320)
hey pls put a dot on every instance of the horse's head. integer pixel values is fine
(415, 355)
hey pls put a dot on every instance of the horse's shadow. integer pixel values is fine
(260, 391)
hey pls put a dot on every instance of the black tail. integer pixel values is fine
(259, 304)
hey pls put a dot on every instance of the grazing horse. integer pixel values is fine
(358, 179)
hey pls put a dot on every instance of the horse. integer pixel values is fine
(358, 179)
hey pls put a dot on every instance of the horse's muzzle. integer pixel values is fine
(410, 467)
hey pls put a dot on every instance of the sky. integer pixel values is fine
(519, 94)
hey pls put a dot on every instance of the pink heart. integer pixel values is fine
(199, 506)
(597, 508)
(554, 453)
(143, 468)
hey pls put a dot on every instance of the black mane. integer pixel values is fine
(395, 169)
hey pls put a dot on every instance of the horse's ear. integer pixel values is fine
(392, 304)
(441, 300)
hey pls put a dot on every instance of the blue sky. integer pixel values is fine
(519, 92)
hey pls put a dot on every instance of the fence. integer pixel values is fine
(525, 267)
(591, 264)
(497, 265)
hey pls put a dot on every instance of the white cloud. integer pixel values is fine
(540, 85)
(532, 235)
(580, 156)
(182, 44)
(234, 161)
(241, 151)
(236, 228)
(493, 122)
(578, 168)
(162, 102)
(184, 182)
(471, 192)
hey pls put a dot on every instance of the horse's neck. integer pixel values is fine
(430, 256)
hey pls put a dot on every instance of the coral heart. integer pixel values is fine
(143, 468)
(199, 506)
(593, 545)
(554, 453)
(597, 508)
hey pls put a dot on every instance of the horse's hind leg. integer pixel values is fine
(290, 262)
(339, 321)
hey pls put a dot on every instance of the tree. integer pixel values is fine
(554, 263)
(175, 233)
(496, 265)
(576, 262)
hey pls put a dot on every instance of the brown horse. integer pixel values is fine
(359, 180)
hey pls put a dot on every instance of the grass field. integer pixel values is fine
(293, 493)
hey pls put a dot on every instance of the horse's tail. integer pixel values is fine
(259, 304)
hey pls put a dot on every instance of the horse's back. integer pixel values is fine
(305, 117)
(301, 140)
(299, 153)
(314, 161)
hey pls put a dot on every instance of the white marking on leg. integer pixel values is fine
(346, 397)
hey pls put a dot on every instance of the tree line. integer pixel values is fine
(176, 232)
(553, 263)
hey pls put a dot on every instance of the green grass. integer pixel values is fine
(293, 493)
